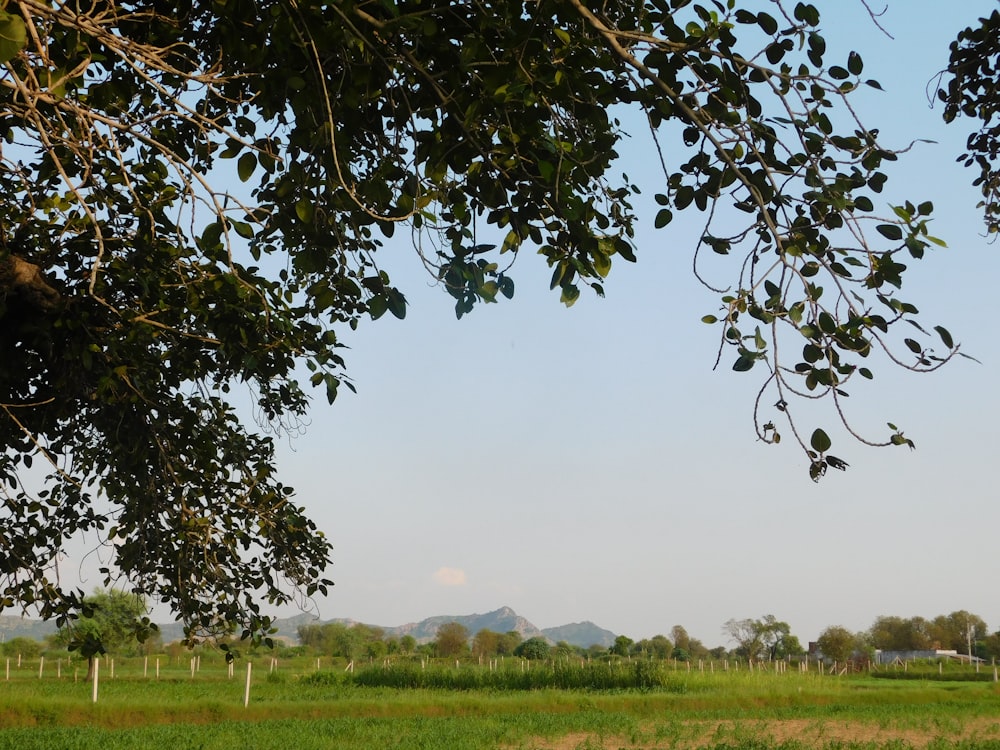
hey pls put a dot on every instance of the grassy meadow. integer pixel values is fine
(512, 704)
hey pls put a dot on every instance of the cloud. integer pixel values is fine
(450, 577)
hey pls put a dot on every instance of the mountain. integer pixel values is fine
(580, 634)
(502, 620)
(22, 627)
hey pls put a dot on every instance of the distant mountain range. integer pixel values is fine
(502, 620)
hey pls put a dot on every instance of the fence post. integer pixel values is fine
(246, 690)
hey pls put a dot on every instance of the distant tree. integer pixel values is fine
(407, 644)
(773, 635)
(622, 646)
(507, 642)
(376, 648)
(680, 637)
(893, 633)
(452, 639)
(790, 646)
(766, 638)
(747, 636)
(28, 648)
(990, 646)
(112, 620)
(596, 650)
(697, 649)
(534, 648)
(719, 652)
(657, 647)
(485, 642)
(680, 654)
(959, 631)
(563, 649)
(837, 643)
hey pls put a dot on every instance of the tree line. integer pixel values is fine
(763, 639)
(111, 615)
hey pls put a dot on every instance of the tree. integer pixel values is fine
(960, 630)
(775, 635)
(837, 643)
(508, 642)
(485, 642)
(680, 638)
(137, 294)
(657, 647)
(893, 633)
(452, 639)
(747, 636)
(26, 647)
(973, 90)
(535, 648)
(108, 625)
(622, 646)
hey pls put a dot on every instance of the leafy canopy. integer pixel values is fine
(140, 291)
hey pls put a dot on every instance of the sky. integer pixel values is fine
(590, 464)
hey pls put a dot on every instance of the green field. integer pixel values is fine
(627, 705)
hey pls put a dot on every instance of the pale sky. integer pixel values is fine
(589, 464)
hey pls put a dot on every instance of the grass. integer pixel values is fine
(472, 707)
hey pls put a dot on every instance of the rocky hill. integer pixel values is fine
(502, 620)
(580, 634)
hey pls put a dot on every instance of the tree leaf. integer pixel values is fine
(820, 441)
(13, 36)
(246, 165)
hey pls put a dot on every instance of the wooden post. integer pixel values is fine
(246, 690)
(97, 669)
(58, 667)
(192, 667)
(8, 670)
(41, 666)
(112, 669)
(145, 666)
(157, 667)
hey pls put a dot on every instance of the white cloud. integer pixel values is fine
(450, 577)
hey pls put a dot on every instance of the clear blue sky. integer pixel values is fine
(589, 464)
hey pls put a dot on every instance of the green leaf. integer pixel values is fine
(663, 217)
(767, 23)
(13, 36)
(946, 338)
(743, 363)
(854, 63)
(890, 231)
(246, 166)
(243, 229)
(820, 441)
(305, 210)
(710, 319)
